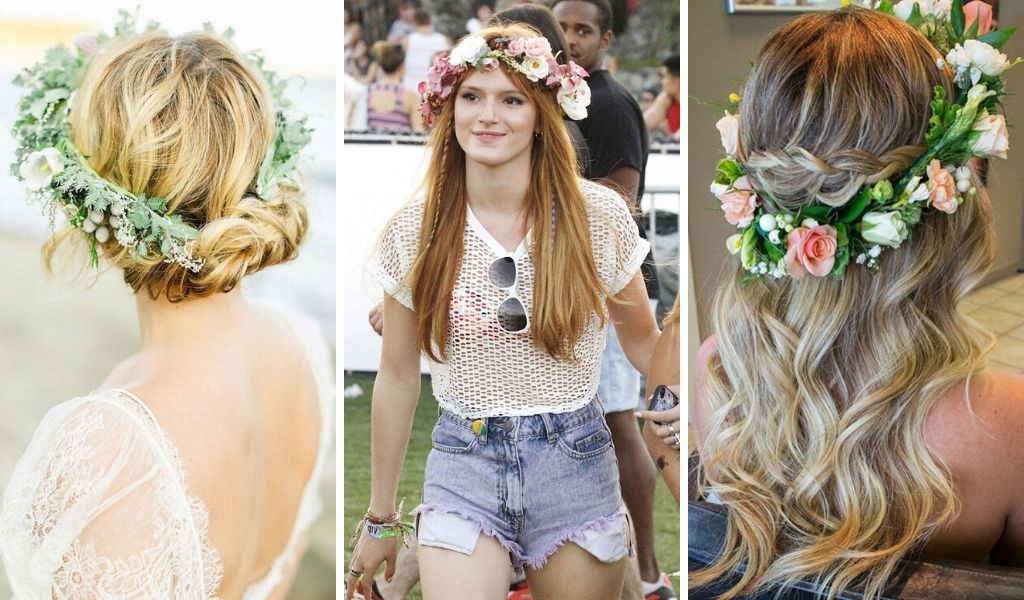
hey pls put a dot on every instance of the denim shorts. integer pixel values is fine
(531, 482)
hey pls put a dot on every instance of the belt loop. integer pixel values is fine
(549, 427)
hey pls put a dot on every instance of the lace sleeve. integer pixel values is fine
(96, 509)
(396, 251)
(618, 248)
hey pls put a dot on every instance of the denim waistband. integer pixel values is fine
(530, 426)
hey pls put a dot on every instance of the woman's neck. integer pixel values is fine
(500, 189)
(163, 322)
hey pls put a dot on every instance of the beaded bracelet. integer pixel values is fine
(385, 526)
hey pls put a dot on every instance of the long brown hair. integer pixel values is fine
(820, 389)
(567, 289)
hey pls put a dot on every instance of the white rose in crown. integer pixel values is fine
(884, 229)
(975, 58)
(729, 128)
(994, 141)
(535, 68)
(40, 167)
(468, 51)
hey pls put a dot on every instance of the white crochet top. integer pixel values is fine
(490, 372)
(99, 505)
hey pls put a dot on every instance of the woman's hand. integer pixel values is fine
(666, 423)
(367, 556)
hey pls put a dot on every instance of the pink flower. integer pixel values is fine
(811, 250)
(943, 188)
(739, 203)
(490, 64)
(85, 43)
(538, 47)
(981, 12)
(517, 46)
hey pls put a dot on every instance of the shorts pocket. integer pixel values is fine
(586, 441)
(449, 437)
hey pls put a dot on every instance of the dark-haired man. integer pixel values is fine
(664, 111)
(617, 140)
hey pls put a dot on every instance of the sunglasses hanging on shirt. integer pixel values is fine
(503, 274)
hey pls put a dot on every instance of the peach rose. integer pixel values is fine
(943, 188)
(739, 203)
(978, 11)
(811, 250)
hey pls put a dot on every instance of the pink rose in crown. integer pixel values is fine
(537, 47)
(490, 64)
(978, 11)
(739, 203)
(517, 47)
(943, 188)
(811, 250)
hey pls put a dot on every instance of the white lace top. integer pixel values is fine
(490, 372)
(99, 504)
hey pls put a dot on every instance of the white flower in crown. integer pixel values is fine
(993, 140)
(574, 101)
(40, 167)
(469, 50)
(535, 68)
(935, 8)
(729, 128)
(886, 229)
(975, 58)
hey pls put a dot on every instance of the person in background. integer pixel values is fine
(646, 98)
(663, 114)
(360, 64)
(421, 46)
(484, 12)
(355, 104)
(392, 106)
(618, 144)
(405, 23)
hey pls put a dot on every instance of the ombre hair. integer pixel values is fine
(567, 289)
(820, 389)
(187, 119)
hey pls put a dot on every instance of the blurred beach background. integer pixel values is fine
(60, 335)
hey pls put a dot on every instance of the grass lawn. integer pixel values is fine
(357, 474)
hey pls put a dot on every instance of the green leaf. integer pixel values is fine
(773, 251)
(997, 38)
(842, 235)
(886, 8)
(957, 16)
(972, 31)
(816, 212)
(727, 171)
(855, 209)
(915, 19)
(842, 260)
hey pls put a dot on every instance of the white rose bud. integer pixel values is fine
(729, 128)
(40, 167)
(467, 50)
(994, 140)
(886, 229)
(989, 60)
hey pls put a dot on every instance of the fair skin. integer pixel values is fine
(661, 425)
(247, 434)
(494, 125)
(982, 451)
(656, 115)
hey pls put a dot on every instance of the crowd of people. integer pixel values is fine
(412, 42)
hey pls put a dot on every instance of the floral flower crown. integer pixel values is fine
(530, 56)
(59, 176)
(819, 239)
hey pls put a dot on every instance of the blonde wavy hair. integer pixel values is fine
(567, 289)
(187, 119)
(820, 389)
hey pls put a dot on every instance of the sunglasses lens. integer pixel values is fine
(512, 316)
(502, 272)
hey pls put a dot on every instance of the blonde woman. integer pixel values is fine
(192, 470)
(502, 275)
(845, 416)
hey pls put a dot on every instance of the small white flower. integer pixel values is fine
(733, 243)
(975, 58)
(40, 167)
(729, 128)
(993, 140)
(887, 229)
(773, 236)
(718, 189)
(919, 193)
(468, 50)
(940, 63)
(767, 222)
(574, 102)
(535, 68)
(874, 251)
(809, 223)
(861, 258)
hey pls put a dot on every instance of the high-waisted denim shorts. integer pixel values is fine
(532, 482)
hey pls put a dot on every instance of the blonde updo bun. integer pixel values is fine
(190, 120)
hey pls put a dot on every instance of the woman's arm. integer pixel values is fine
(664, 371)
(395, 394)
(630, 311)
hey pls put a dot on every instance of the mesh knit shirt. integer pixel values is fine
(490, 372)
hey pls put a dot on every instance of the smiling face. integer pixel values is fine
(494, 120)
(580, 22)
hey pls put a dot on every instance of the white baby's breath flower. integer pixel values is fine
(40, 167)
